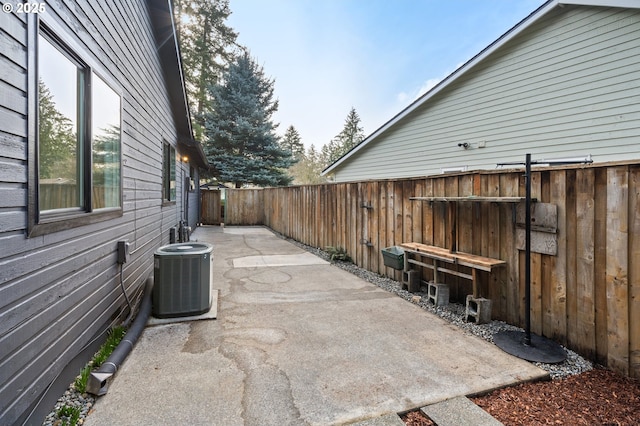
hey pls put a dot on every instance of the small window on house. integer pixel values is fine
(169, 173)
(105, 124)
(79, 139)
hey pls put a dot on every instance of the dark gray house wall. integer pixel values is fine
(194, 203)
(60, 286)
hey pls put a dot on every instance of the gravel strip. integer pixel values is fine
(453, 313)
(71, 398)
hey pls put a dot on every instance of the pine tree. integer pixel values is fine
(207, 45)
(352, 133)
(57, 139)
(350, 136)
(292, 143)
(308, 170)
(242, 145)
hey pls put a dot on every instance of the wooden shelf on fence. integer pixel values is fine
(452, 207)
(471, 198)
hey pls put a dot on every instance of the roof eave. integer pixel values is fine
(161, 14)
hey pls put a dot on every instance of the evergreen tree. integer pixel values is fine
(292, 143)
(352, 133)
(207, 45)
(350, 136)
(308, 170)
(58, 143)
(242, 146)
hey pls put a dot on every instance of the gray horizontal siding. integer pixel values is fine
(59, 290)
(567, 86)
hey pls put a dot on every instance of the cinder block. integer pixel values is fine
(405, 280)
(439, 294)
(411, 280)
(478, 310)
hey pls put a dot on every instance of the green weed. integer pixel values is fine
(69, 415)
(338, 253)
(113, 339)
(80, 384)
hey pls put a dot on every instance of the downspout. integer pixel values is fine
(97, 383)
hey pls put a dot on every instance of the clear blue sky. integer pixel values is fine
(377, 56)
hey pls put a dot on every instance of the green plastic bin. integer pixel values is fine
(393, 257)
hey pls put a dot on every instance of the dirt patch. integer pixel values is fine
(596, 397)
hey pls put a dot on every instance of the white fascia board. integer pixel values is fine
(628, 4)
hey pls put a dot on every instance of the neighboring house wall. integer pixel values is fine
(60, 290)
(567, 86)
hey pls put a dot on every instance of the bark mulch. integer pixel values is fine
(596, 397)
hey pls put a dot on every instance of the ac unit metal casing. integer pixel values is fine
(182, 280)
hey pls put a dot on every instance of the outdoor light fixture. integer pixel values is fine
(185, 159)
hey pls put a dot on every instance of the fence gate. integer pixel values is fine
(211, 207)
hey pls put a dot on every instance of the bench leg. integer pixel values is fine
(436, 275)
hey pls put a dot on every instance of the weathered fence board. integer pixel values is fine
(634, 269)
(555, 315)
(585, 316)
(617, 268)
(587, 296)
(211, 207)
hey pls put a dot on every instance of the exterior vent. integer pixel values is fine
(182, 280)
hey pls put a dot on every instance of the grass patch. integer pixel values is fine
(69, 415)
(80, 384)
(338, 253)
(114, 337)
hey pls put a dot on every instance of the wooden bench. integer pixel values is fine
(438, 255)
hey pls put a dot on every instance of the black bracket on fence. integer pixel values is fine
(366, 205)
(366, 242)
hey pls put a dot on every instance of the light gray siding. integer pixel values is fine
(566, 86)
(60, 290)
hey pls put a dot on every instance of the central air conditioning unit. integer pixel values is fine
(182, 280)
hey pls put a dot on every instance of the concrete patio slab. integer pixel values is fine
(301, 259)
(298, 345)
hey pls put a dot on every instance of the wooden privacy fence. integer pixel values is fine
(60, 196)
(586, 296)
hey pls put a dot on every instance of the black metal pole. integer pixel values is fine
(527, 254)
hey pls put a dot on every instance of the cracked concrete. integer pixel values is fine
(297, 344)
